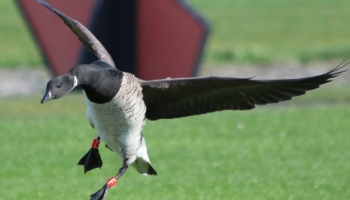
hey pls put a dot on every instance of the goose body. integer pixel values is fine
(119, 123)
(118, 103)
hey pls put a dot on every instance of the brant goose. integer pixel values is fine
(118, 103)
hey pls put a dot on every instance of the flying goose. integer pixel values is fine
(118, 103)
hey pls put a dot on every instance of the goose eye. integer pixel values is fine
(59, 85)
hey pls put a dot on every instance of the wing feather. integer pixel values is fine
(172, 98)
(84, 35)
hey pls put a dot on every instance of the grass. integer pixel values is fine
(253, 31)
(271, 31)
(297, 150)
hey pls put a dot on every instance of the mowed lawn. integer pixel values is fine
(295, 150)
(255, 31)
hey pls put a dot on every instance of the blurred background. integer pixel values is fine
(292, 150)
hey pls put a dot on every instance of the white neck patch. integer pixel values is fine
(75, 82)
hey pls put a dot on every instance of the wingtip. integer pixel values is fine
(338, 69)
(42, 2)
(84, 35)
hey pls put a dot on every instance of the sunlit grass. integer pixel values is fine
(268, 31)
(272, 152)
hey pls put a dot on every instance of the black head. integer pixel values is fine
(59, 86)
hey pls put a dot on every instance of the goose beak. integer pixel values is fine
(47, 97)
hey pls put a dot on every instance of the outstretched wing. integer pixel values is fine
(84, 35)
(172, 98)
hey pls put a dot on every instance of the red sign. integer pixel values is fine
(169, 36)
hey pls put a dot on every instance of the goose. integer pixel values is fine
(118, 103)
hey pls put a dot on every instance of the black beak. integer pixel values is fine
(47, 97)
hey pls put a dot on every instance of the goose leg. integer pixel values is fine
(92, 158)
(101, 194)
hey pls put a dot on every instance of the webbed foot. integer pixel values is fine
(92, 158)
(101, 194)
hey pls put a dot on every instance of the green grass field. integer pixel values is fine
(294, 150)
(253, 31)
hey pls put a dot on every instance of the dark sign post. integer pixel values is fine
(150, 38)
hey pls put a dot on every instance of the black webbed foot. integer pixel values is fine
(92, 158)
(101, 194)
